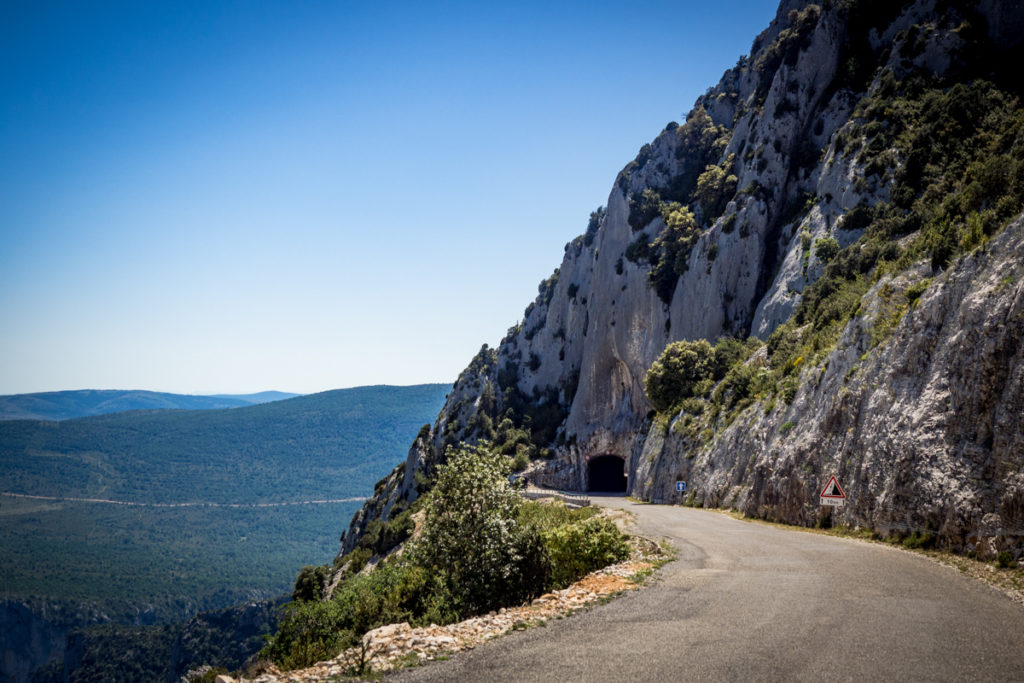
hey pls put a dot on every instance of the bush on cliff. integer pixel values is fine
(681, 366)
(482, 547)
(472, 538)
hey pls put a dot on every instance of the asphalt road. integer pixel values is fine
(747, 601)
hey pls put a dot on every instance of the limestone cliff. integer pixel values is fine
(825, 171)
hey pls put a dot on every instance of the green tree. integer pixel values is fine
(311, 583)
(679, 368)
(472, 538)
(826, 249)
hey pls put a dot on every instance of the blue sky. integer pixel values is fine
(230, 197)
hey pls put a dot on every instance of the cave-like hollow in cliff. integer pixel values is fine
(606, 473)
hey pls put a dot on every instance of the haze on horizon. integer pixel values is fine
(224, 198)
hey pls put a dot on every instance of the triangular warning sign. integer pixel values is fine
(833, 489)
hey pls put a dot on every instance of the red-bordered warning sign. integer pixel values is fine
(833, 493)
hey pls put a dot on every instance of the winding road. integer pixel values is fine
(747, 601)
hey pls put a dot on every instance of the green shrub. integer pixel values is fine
(680, 367)
(729, 223)
(471, 537)
(919, 539)
(593, 225)
(644, 208)
(826, 249)
(521, 459)
(578, 549)
(672, 248)
(308, 632)
(311, 583)
(915, 290)
(482, 548)
(393, 592)
(1004, 560)
(640, 251)
(715, 187)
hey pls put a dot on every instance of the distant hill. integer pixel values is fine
(261, 397)
(68, 405)
(328, 446)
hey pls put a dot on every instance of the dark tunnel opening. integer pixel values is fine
(607, 473)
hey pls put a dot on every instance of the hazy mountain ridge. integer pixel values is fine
(69, 405)
(829, 197)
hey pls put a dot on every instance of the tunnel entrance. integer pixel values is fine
(607, 473)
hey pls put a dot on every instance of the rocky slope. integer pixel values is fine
(842, 194)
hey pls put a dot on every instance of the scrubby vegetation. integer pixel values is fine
(700, 185)
(481, 547)
(696, 377)
(952, 156)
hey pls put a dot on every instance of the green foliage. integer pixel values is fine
(786, 47)
(699, 146)
(593, 225)
(962, 175)
(915, 290)
(715, 187)
(307, 633)
(470, 535)
(640, 250)
(578, 549)
(672, 247)
(730, 352)
(482, 547)
(826, 249)
(919, 540)
(546, 289)
(116, 653)
(521, 459)
(547, 516)
(729, 223)
(699, 142)
(310, 583)
(741, 384)
(961, 180)
(1004, 560)
(681, 366)
(644, 208)
(538, 416)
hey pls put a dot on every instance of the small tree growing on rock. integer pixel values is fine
(472, 538)
(677, 371)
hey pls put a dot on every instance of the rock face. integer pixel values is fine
(716, 229)
(925, 432)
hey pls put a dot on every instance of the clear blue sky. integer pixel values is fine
(205, 197)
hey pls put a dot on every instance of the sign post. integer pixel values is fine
(681, 486)
(833, 495)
